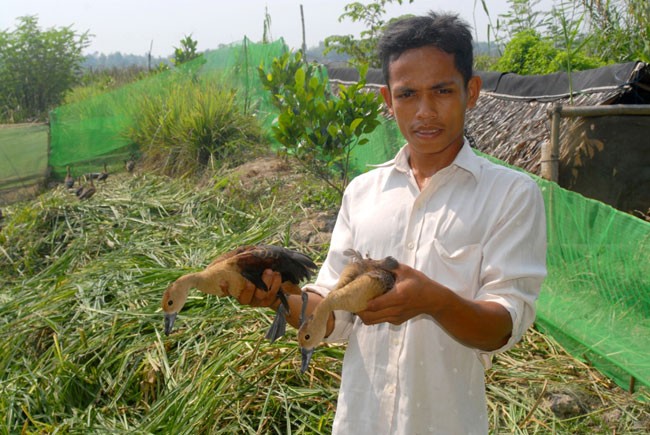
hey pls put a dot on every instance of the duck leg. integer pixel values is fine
(279, 325)
(303, 310)
(304, 353)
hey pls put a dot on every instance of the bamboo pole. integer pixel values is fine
(613, 110)
(304, 41)
(549, 162)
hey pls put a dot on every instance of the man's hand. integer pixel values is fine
(484, 325)
(407, 299)
(256, 297)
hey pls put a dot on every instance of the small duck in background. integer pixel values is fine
(69, 180)
(87, 191)
(129, 165)
(104, 174)
(80, 187)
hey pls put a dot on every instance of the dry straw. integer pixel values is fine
(81, 342)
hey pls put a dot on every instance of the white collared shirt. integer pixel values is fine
(477, 228)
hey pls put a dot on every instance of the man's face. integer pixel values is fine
(428, 98)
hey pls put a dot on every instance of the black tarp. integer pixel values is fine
(547, 87)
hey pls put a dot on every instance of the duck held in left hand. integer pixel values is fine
(227, 276)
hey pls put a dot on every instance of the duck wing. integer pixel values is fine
(293, 266)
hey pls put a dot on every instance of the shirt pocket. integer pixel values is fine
(458, 269)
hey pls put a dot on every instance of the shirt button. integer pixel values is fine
(411, 245)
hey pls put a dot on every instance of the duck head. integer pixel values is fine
(310, 334)
(173, 300)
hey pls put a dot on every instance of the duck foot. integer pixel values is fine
(279, 325)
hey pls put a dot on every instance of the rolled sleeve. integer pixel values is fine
(522, 313)
(515, 262)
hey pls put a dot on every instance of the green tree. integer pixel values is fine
(361, 51)
(186, 52)
(527, 53)
(314, 126)
(37, 68)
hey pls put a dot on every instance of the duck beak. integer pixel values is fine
(169, 322)
(306, 357)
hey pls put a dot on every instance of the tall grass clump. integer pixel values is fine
(192, 123)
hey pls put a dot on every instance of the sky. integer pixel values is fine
(135, 26)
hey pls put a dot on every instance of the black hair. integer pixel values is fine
(444, 31)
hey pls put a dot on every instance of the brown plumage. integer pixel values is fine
(129, 165)
(87, 191)
(361, 280)
(68, 181)
(80, 187)
(227, 276)
(103, 175)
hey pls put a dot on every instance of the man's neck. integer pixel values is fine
(424, 166)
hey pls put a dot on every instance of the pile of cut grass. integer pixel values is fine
(81, 342)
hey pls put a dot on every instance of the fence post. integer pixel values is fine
(549, 163)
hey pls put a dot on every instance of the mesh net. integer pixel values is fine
(89, 133)
(23, 155)
(596, 299)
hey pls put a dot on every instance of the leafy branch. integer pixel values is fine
(316, 127)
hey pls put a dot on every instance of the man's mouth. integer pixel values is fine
(427, 132)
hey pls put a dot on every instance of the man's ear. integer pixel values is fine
(473, 90)
(385, 92)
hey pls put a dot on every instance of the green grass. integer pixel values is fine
(81, 342)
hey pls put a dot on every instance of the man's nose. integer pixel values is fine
(427, 107)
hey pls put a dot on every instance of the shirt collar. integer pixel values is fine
(465, 159)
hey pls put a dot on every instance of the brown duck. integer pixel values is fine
(227, 276)
(68, 181)
(103, 175)
(361, 280)
(129, 165)
(87, 191)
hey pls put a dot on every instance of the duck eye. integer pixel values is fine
(307, 337)
(170, 302)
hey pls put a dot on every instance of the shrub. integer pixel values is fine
(315, 126)
(193, 123)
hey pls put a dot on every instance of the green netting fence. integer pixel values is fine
(23, 156)
(86, 134)
(596, 299)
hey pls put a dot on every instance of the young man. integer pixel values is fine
(470, 239)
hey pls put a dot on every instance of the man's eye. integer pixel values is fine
(405, 94)
(444, 91)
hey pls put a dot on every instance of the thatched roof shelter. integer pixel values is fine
(604, 157)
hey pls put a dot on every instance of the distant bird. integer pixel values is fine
(79, 188)
(361, 280)
(103, 175)
(68, 181)
(87, 191)
(129, 164)
(227, 276)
